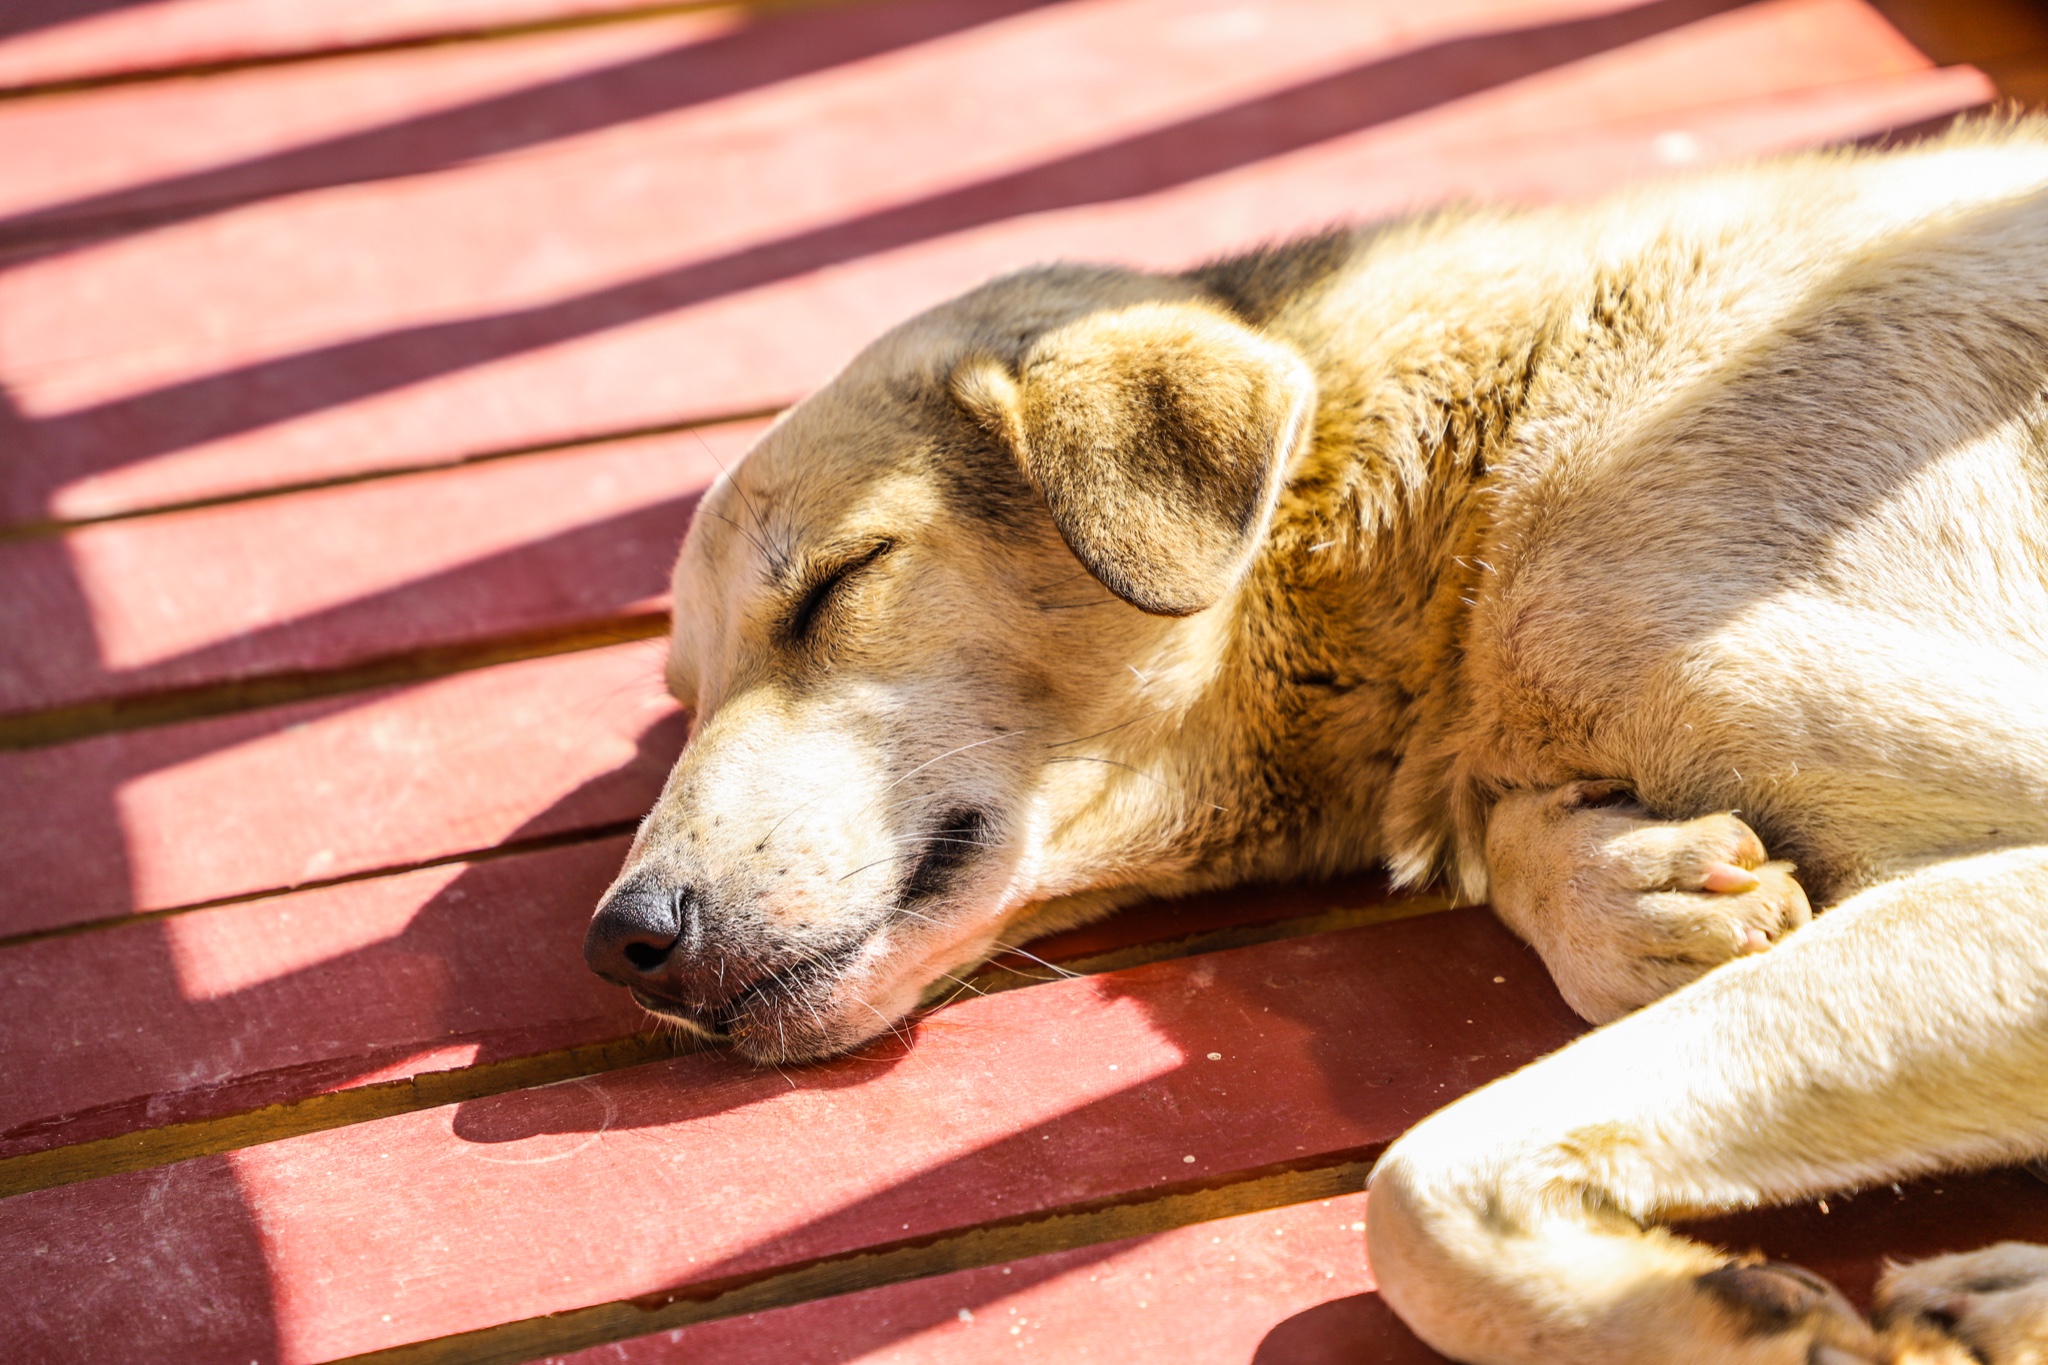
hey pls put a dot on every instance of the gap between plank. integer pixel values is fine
(444, 38)
(1065, 1229)
(33, 729)
(539, 843)
(57, 526)
(150, 1147)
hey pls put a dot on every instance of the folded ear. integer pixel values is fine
(1158, 435)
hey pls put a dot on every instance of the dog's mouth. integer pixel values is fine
(798, 993)
(786, 988)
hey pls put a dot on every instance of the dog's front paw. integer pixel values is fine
(1626, 908)
(1991, 1305)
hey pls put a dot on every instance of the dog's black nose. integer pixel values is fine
(635, 931)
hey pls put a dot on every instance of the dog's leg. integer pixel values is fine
(1624, 908)
(1905, 1031)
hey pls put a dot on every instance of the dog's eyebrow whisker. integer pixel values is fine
(1160, 782)
(765, 544)
(767, 551)
(1076, 606)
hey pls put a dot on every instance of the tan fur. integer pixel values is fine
(1609, 561)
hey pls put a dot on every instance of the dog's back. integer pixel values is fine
(1757, 420)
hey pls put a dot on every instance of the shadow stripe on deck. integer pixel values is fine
(994, 1243)
(159, 1146)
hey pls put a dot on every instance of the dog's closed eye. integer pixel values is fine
(825, 585)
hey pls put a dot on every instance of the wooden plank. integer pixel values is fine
(1847, 1237)
(74, 165)
(151, 151)
(295, 611)
(544, 545)
(54, 42)
(395, 324)
(181, 815)
(2008, 39)
(1009, 1106)
(109, 161)
(666, 1195)
(1285, 1286)
(227, 1010)
(378, 983)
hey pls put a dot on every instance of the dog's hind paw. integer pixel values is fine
(1989, 1306)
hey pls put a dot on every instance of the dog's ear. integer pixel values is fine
(1158, 436)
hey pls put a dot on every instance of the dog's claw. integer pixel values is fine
(1728, 879)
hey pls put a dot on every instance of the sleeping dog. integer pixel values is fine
(1663, 571)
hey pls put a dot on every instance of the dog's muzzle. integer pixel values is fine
(649, 936)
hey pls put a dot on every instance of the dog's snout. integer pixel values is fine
(636, 930)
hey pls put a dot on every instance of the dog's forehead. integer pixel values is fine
(849, 453)
(850, 463)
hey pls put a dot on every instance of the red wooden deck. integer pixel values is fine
(359, 367)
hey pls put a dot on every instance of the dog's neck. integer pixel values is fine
(1340, 653)
(1351, 621)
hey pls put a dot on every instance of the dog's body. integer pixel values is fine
(1517, 548)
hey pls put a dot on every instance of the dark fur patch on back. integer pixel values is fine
(1260, 283)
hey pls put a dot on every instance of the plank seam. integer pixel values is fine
(57, 526)
(1068, 1228)
(151, 1147)
(539, 843)
(83, 720)
(443, 38)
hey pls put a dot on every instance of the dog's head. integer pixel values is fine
(941, 632)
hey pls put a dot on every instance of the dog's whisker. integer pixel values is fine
(950, 753)
(964, 984)
(1053, 967)
(921, 841)
(1149, 715)
(887, 1022)
(1114, 763)
(864, 867)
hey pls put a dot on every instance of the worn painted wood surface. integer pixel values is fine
(1279, 1287)
(221, 1012)
(46, 43)
(323, 580)
(634, 272)
(261, 801)
(352, 407)
(1015, 1104)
